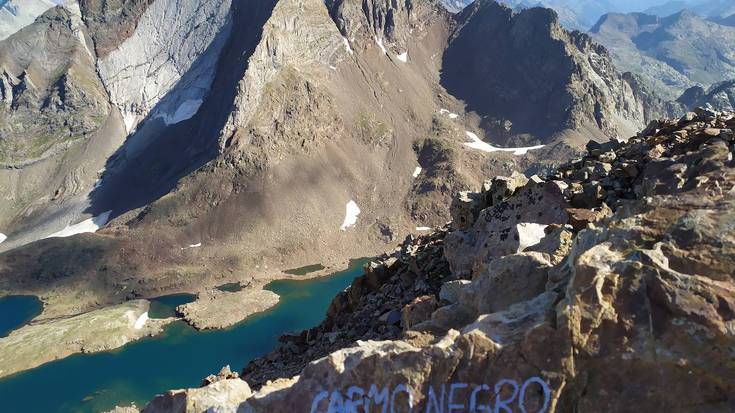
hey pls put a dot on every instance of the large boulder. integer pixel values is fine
(507, 228)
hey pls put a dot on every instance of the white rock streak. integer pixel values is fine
(379, 42)
(76, 23)
(351, 213)
(89, 226)
(530, 234)
(3, 237)
(140, 322)
(197, 245)
(403, 57)
(423, 229)
(417, 172)
(347, 46)
(481, 145)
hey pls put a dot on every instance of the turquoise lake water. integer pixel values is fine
(180, 357)
(15, 311)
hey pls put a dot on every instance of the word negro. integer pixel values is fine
(507, 396)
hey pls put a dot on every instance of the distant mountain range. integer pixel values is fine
(705, 8)
(671, 53)
(582, 14)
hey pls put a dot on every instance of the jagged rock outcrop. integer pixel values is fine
(639, 300)
(297, 35)
(389, 25)
(549, 81)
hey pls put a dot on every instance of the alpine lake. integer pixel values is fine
(178, 358)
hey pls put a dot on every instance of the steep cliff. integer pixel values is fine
(614, 272)
(526, 75)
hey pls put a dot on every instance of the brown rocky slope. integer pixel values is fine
(623, 301)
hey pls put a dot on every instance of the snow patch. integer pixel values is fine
(197, 245)
(481, 145)
(448, 113)
(417, 172)
(185, 111)
(530, 234)
(347, 45)
(3, 237)
(89, 226)
(403, 57)
(140, 322)
(351, 213)
(423, 229)
(379, 42)
(333, 67)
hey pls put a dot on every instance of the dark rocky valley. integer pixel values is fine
(546, 194)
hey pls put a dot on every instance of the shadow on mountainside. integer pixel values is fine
(155, 158)
(509, 70)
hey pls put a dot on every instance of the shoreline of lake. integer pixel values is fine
(145, 367)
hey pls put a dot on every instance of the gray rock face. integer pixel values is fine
(506, 228)
(57, 127)
(223, 396)
(168, 62)
(670, 53)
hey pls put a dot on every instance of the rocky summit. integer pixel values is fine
(604, 286)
